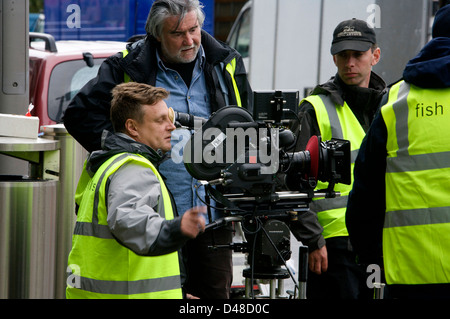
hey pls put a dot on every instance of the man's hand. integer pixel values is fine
(318, 260)
(193, 221)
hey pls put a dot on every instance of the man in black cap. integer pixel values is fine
(341, 108)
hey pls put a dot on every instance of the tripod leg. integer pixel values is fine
(280, 291)
(273, 288)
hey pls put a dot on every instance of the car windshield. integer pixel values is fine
(66, 80)
(240, 39)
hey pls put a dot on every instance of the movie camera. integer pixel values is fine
(242, 161)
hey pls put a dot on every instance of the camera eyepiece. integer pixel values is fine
(180, 119)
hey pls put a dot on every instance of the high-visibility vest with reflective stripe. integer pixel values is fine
(416, 233)
(101, 266)
(335, 121)
(230, 68)
(126, 77)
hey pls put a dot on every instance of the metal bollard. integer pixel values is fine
(303, 271)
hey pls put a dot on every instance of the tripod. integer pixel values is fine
(268, 248)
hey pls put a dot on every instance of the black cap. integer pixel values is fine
(353, 35)
(441, 24)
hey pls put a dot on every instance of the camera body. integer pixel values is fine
(243, 161)
(250, 156)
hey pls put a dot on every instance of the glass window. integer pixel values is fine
(243, 40)
(240, 39)
(66, 80)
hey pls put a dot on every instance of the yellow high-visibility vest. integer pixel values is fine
(101, 266)
(416, 233)
(335, 121)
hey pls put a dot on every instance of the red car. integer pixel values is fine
(59, 69)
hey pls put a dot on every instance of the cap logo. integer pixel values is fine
(349, 31)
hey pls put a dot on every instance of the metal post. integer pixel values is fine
(14, 79)
(248, 288)
(303, 271)
(14, 67)
(378, 290)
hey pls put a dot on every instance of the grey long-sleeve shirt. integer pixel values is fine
(136, 212)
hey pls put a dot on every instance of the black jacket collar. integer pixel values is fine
(143, 53)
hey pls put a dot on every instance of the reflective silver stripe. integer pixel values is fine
(89, 229)
(325, 204)
(95, 229)
(416, 217)
(99, 183)
(128, 287)
(401, 110)
(336, 129)
(353, 155)
(418, 162)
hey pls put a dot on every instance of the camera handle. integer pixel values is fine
(222, 222)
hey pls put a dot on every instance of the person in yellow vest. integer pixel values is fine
(128, 233)
(398, 214)
(202, 75)
(341, 108)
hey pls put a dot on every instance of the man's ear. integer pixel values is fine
(131, 128)
(376, 56)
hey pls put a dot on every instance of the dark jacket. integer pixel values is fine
(88, 113)
(429, 69)
(113, 144)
